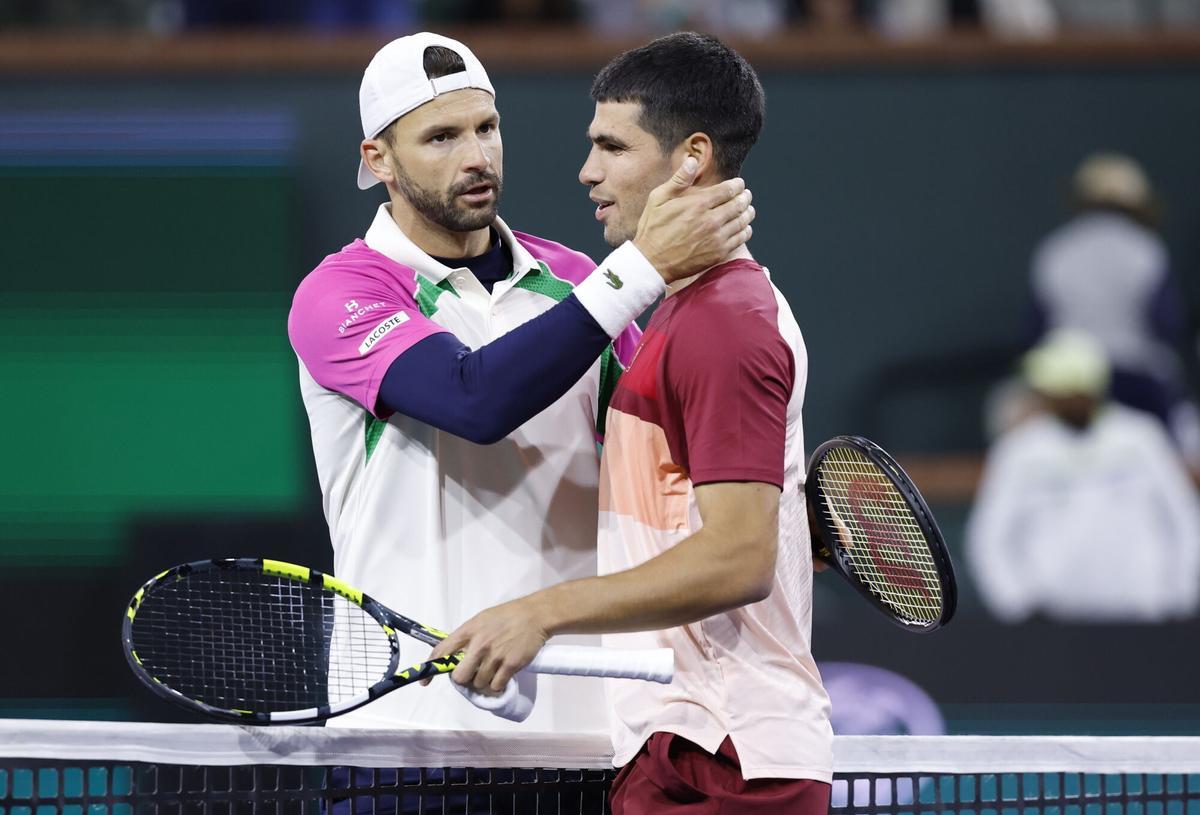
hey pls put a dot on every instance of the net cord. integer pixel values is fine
(230, 745)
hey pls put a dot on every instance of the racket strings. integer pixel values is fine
(241, 640)
(887, 549)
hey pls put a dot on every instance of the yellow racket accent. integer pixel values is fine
(345, 589)
(280, 569)
(131, 612)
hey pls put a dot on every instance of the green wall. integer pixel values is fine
(142, 348)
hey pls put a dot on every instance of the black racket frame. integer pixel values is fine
(372, 607)
(839, 560)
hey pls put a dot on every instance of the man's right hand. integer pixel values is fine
(686, 229)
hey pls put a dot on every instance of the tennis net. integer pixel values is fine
(90, 768)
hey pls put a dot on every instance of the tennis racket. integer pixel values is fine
(874, 528)
(262, 641)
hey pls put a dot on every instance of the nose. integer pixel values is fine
(590, 174)
(477, 158)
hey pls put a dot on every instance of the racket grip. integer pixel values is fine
(652, 664)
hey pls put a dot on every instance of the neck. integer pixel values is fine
(436, 240)
(741, 253)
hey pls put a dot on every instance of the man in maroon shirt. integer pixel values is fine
(703, 542)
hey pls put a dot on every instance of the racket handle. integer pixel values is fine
(652, 664)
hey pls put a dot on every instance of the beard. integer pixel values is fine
(444, 209)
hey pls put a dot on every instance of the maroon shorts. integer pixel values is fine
(672, 775)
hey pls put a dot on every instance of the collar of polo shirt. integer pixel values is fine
(386, 237)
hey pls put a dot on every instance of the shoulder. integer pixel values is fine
(1131, 423)
(356, 267)
(1103, 232)
(348, 287)
(735, 300)
(563, 261)
(1064, 240)
(1036, 436)
(730, 323)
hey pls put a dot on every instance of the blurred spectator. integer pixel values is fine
(318, 14)
(910, 19)
(913, 19)
(1019, 18)
(900, 19)
(170, 16)
(827, 16)
(754, 18)
(1126, 15)
(491, 11)
(1085, 512)
(77, 14)
(1107, 272)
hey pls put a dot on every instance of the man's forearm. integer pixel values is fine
(699, 577)
(730, 562)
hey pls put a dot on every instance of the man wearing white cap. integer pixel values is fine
(1085, 512)
(456, 372)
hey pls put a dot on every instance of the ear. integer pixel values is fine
(700, 147)
(373, 156)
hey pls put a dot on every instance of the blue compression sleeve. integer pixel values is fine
(484, 395)
(1167, 315)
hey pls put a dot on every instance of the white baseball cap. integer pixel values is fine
(1067, 362)
(395, 83)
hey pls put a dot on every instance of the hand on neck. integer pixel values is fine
(741, 253)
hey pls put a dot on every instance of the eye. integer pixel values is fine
(487, 128)
(440, 138)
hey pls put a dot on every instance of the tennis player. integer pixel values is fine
(704, 541)
(453, 370)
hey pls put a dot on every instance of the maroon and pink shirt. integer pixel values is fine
(714, 394)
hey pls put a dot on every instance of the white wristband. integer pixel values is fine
(622, 287)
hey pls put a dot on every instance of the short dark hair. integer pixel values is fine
(437, 61)
(688, 83)
(442, 61)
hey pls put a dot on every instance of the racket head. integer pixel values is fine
(260, 641)
(876, 530)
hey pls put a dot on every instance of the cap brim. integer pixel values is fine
(366, 179)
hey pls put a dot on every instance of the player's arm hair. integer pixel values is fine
(729, 562)
(483, 395)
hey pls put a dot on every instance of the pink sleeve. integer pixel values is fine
(731, 397)
(626, 343)
(348, 323)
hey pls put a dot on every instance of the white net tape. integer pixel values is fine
(239, 745)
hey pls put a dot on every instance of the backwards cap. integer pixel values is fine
(395, 84)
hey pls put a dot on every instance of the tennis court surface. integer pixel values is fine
(116, 768)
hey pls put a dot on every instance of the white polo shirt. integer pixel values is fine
(434, 526)
(1099, 525)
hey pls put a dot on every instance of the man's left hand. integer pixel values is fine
(496, 643)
